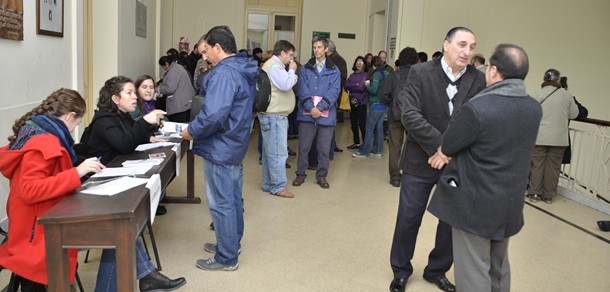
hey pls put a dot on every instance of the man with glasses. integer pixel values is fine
(274, 121)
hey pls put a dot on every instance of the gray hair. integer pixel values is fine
(332, 46)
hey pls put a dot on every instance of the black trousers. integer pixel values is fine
(414, 195)
(357, 118)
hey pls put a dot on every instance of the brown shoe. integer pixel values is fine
(284, 194)
(323, 183)
(299, 180)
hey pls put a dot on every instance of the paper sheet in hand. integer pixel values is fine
(143, 147)
(116, 186)
(171, 127)
(118, 171)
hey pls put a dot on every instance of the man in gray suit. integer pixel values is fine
(480, 192)
(434, 90)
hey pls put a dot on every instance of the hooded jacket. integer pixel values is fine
(41, 175)
(221, 129)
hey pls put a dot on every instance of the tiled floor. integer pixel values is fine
(339, 239)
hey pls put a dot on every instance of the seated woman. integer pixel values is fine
(145, 91)
(38, 161)
(112, 132)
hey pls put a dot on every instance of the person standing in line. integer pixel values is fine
(490, 143)
(274, 121)
(318, 89)
(434, 91)
(358, 100)
(558, 109)
(221, 131)
(396, 131)
(178, 88)
(334, 56)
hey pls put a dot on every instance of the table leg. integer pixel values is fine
(126, 258)
(57, 260)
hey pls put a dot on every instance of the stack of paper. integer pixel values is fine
(143, 162)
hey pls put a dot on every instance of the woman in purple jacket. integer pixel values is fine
(358, 99)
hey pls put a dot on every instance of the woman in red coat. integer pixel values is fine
(38, 162)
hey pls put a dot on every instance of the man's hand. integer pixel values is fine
(438, 160)
(292, 65)
(185, 134)
(316, 113)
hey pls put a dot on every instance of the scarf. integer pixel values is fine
(149, 106)
(58, 129)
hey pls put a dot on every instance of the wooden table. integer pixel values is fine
(90, 221)
(190, 178)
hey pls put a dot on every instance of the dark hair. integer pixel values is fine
(422, 56)
(408, 56)
(552, 75)
(257, 51)
(139, 81)
(511, 61)
(282, 46)
(437, 54)
(367, 56)
(171, 52)
(356, 61)
(478, 58)
(564, 82)
(112, 86)
(320, 39)
(382, 51)
(451, 33)
(168, 59)
(223, 36)
(60, 102)
(377, 62)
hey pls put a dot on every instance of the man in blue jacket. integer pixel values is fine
(318, 89)
(220, 132)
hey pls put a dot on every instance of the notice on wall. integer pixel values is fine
(11, 20)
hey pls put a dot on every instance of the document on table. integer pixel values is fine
(147, 146)
(143, 162)
(154, 185)
(122, 171)
(115, 186)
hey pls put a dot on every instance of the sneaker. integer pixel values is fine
(377, 154)
(358, 155)
(211, 248)
(212, 265)
(547, 200)
(532, 198)
(353, 146)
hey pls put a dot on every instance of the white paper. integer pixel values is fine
(143, 162)
(119, 171)
(154, 185)
(115, 186)
(147, 146)
(171, 127)
(168, 135)
(176, 149)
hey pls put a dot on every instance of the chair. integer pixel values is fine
(15, 280)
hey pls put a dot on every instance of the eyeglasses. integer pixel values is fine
(359, 62)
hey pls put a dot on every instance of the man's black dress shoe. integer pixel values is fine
(398, 285)
(337, 149)
(291, 153)
(441, 282)
(156, 281)
(604, 225)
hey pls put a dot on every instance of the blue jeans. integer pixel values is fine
(223, 188)
(275, 151)
(106, 274)
(373, 136)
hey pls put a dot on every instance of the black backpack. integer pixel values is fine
(263, 92)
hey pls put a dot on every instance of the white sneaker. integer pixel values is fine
(358, 155)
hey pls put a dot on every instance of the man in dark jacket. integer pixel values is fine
(221, 132)
(434, 90)
(480, 193)
(396, 132)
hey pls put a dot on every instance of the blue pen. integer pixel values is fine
(99, 158)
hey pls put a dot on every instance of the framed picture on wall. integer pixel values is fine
(50, 17)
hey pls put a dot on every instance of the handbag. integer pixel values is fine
(345, 100)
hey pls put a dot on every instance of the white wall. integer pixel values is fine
(139, 55)
(32, 69)
(345, 16)
(571, 36)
